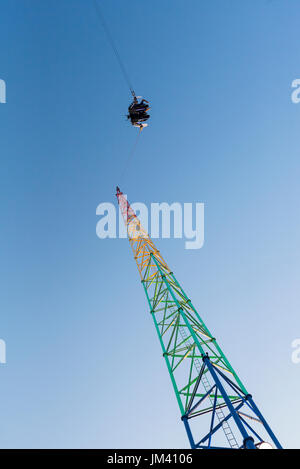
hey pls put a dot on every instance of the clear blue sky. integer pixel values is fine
(84, 366)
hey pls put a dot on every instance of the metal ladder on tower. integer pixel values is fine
(206, 384)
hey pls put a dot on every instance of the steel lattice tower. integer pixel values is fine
(207, 388)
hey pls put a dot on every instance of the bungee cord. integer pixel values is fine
(129, 158)
(127, 79)
(113, 46)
